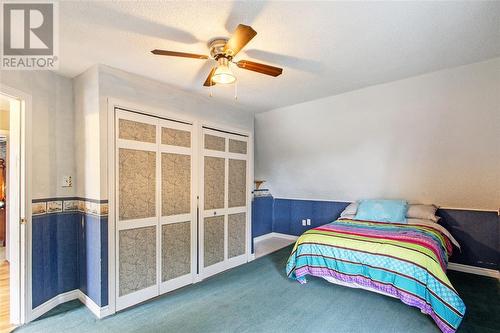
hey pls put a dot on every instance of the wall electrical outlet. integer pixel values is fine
(304, 222)
(67, 181)
(308, 221)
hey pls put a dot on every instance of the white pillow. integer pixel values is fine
(352, 209)
(426, 212)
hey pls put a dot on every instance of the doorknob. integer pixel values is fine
(215, 213)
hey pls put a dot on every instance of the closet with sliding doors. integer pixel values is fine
(181, 204)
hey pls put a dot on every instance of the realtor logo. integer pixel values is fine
(29, 35)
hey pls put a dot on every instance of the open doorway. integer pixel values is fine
(14, 209)
(5, 322)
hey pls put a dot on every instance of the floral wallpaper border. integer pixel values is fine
(60, 205)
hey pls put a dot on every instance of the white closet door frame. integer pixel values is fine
(114, 106)
(152, 291)
(158, 221)
(192, 216)
(227, 263)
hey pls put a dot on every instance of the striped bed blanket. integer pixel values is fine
(406, 261)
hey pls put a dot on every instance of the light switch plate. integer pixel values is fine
(67, 181)
(304, 222)
(308, 221)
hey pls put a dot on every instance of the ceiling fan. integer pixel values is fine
(223, 51)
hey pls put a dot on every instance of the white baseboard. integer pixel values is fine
(53, 302)
(275, 234)
(474, 270)
(99, 312)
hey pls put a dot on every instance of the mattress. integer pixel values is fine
(399, 260)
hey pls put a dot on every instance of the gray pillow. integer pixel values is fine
(427, 212)
(352, 209)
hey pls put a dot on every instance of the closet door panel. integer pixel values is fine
(176, 250)
(213, 240)
(176, 184)
(214, 142)
(224, 203)
(214, 182)
(137, 184)
(237, 183)
(176, 206)
(137, 265)
(175, 137)
(236, 234)
(237, 146)
(136, 131)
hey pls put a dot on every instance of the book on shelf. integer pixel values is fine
(262, 192)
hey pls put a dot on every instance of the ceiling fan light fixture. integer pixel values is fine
(223, 74)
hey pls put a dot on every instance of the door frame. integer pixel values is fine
(227, 263)
(20, 271)
(5, 134)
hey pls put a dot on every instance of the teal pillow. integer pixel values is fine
(382, 210)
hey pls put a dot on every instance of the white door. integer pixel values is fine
(224, 201)
(155, 251)
(15, 196)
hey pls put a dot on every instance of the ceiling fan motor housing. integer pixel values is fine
(216, 47)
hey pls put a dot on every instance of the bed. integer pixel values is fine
(406, 260)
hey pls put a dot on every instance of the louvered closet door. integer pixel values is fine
(224, 204)
(155, 211)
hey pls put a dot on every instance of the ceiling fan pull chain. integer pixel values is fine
(236, 90)
(210, 88)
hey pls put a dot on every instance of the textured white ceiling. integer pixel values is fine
(325, 48)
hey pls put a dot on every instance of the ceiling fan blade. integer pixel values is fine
(208, 81)
(179, 54)
(259, 68)
(241, 36)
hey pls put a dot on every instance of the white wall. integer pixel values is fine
(114, 83)
(431, 138)
(52, 124)
(87, 136)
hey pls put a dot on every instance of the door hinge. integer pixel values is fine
(23, 220)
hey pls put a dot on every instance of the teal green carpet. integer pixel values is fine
(257, 297)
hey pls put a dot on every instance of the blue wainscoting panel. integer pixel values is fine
(54, 253)
(262, 216)
(282, 210)
(104, 261)
(70, 251)
(477, 232)
(90, 254)
(289, 213)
